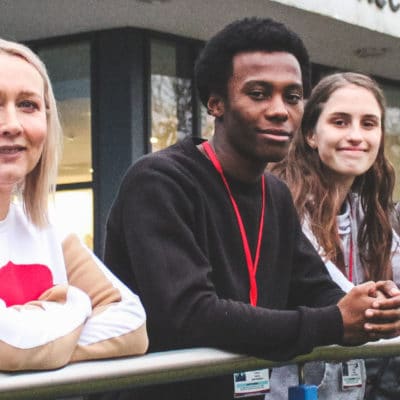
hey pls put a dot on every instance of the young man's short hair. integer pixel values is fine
(214, 65)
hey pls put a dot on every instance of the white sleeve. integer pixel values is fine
(117, 325)
(118, 318)
(333, 270)
(396, 258)
(41, 322)
(338, 276)
(42, 334)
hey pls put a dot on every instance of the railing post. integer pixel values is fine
(303, 391)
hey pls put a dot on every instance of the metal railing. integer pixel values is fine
(155, 368)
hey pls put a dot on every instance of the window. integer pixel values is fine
(69, 70)
(171, 96)
(392, 139)
(173, 100)
(207, 124)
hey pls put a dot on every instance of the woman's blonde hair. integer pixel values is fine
(41, 181)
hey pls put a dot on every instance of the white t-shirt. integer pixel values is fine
(58, 302)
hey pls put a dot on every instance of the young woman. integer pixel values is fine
(58, 302)
(342, 186)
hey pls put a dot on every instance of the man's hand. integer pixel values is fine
(380, 319)
(353, 307)
(384, 317)
(386, 288)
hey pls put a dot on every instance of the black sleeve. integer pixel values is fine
(151, 246)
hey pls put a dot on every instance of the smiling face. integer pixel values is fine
(23, 123)
(348, 133)
(263, 108)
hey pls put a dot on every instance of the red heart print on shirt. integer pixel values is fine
(21, 283)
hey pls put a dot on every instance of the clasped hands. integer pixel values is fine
(370, 311)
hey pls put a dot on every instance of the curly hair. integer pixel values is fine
(41, 181)
(317, 199)
(214, 65)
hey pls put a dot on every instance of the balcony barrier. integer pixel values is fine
(116, 374)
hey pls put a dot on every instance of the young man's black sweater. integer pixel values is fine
(173, 237)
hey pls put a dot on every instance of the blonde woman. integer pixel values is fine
(58, 302)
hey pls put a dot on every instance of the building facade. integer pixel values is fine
(123, 76)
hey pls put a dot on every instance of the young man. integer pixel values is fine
(212, 243)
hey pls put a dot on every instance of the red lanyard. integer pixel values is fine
(251, 265)
(351, 259)
(351, 245)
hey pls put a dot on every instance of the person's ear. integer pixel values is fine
(311, 141)
(215, 106)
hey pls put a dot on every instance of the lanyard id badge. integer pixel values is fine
(351, 374)
(251, 383)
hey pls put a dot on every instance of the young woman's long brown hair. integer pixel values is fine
(317, 199)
